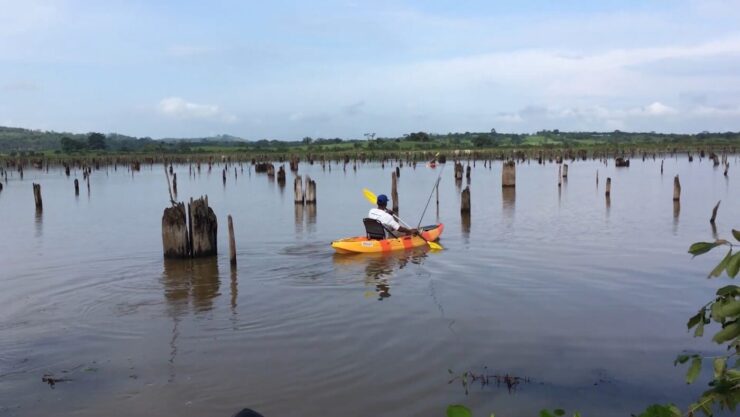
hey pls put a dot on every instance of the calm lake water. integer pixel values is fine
(587, 300)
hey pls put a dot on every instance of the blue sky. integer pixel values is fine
(286, 69)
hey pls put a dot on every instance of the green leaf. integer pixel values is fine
(699, 248)
(726, 308)
(736, 233)
(694, 320)
(731, 331)
(545, 413)
(681, 359)
(457, 410)
(559, 412)
(733, 266)
(694, 370)
(719, 365)
(659, 410)
(729, 290)
(717, 271)
(699, 332)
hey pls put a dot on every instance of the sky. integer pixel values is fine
(289, 69)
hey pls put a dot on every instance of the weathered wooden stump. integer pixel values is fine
(467, 173)
(661, 166)
(714, 212)
(676, 189)
(232, 243)
(298, 189)
(608, 186)
(621, 162)
(508, 174)
(203, 228)
(310, 190)
(565, 170)
(77, 187)
(458, 171)
(175, 232)
(398, 172)
(465, 201)
(394, 191)
(37, 196)
(281, 175)
(174, 184)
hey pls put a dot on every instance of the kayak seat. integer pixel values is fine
(374, 229)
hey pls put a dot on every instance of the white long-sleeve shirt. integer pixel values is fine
(384, 217)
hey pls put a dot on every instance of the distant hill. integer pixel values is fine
(15, 139)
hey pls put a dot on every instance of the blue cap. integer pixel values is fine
(382, 199)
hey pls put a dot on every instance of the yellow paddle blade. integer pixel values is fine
(434, 245)
(370, 196)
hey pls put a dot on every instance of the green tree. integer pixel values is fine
(96, 141)
(71, 145)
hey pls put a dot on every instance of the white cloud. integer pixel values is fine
(180, 108)
(655, 109)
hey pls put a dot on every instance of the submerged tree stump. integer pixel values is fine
(465, 201)
(298, 189)
(508, 174)
(281, 175)
(203, 228)
(676, 189)
(232, 243)
(394, 191)
(310, 191)
(175, 232)
(77, 187)
(565, 170)
(37, 196)
(714, 212)
(458, 171)
(608, 186)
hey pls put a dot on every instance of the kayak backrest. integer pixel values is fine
(374, 229)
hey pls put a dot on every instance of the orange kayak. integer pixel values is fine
(361, 244)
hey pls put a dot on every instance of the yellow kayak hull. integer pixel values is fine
(361, 244)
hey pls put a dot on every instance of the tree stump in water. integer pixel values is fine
(458, 171)
(676, 189)
(565, 170)
(232, 243)
(77, 187)
(298, 189)
(394, 191)
(465, 201)
(398, 172)
(608, 186)
(508, 174)
(310, 191)
(714, 213)
(203, 228)
(281, 175)
(174, 183)
(37, 196)
(175, 232)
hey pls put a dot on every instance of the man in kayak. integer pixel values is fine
(385, 217)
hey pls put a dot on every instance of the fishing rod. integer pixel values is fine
(436, 184)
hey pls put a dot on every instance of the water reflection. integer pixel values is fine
(190, 283)
(379, 268)
(676, 213)
(39, 223)
(311, 217)
(299, 218)
(508, 199)
(465, 225)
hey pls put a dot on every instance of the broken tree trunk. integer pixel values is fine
(608, 186)
(298, 188)
(508, 174)
(465, 201)
(175, 232)
(232, 243)
(37, 196)
(714, 212)
(394, 191)
(676, 189)
(310, 190)
(203, 228)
